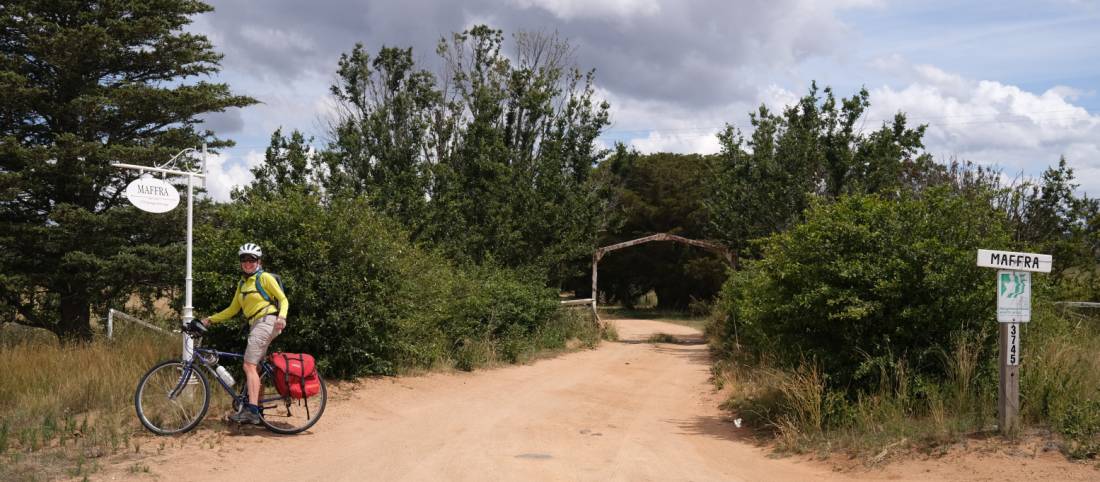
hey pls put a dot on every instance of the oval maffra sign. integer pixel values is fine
(152, 195)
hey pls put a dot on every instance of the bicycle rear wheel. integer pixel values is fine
(168, 404)
(287, 415)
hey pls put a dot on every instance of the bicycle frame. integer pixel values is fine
(201, 354)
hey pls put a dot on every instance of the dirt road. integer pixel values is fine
(629, 411)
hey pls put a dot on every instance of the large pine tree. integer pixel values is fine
(88, 83)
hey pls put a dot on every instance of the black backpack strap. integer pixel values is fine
(302, 379)
(286, 372)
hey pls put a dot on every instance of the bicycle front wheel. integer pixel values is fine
(288, 415)
(167, 403)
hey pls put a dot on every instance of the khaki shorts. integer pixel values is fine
(263, 332)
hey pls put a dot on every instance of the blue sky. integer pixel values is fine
(1012, 84)
(1034, 45)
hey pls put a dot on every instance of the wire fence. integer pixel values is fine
(114, 314)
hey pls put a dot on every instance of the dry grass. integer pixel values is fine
(789, 404)
(608, 331)
(961, 365)
(662, 338)
(1060, 382)
(1060, 395)
(795, 410)
(66, 406)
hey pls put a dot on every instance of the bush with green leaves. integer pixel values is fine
(362, 298)
(865, 284)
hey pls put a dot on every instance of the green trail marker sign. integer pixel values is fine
(1013, 308)
(1013, 296)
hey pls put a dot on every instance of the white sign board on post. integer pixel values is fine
(1039, 263)
(152, 195)
(1013, 296)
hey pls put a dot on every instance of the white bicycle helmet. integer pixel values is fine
(250, 249)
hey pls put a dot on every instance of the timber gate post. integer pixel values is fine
(716, 248)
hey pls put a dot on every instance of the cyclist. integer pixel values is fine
(265, 314)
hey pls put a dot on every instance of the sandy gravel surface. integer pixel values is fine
(629, 411)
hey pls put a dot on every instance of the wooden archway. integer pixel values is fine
(719, 249)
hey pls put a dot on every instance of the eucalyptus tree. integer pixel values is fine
(289, 163)
(814, 148)
(489, 160)
(391, 128)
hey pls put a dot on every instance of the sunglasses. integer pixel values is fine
(249, 259)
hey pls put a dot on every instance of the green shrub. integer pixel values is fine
(362, 297)
(866, 286)
(885, 296)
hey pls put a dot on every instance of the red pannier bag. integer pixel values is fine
(295, 375)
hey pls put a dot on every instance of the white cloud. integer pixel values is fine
(676, 72)
(700, 142)
(993, 123)
(569, 9)
(776, 97)
(224, 172)
(656, 126)
(952, 85)
(276, 38)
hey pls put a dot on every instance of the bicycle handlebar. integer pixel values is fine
(195, 327)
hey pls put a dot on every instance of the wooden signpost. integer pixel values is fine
(1013, 308)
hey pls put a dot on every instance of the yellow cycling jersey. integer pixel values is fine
(249, 299)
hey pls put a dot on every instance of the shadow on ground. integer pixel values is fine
(719, 427)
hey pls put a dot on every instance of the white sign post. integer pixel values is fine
(1013, 308)
(157, 196)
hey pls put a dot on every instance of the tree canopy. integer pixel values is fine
(86, 84)
(659, 193)
(490, 161)
(811, 149)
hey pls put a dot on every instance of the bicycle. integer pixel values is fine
(174, 395)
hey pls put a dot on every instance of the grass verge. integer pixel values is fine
(68, 406)
(569, 328)
(795, 408)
